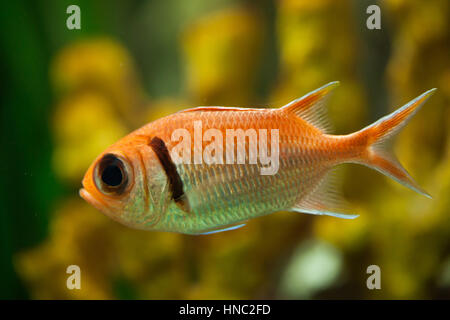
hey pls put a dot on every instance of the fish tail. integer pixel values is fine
(376, 141)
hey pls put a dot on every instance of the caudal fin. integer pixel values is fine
(378, 137)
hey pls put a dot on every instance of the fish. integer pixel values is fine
(179, 173)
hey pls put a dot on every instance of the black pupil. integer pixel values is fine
(112, 175)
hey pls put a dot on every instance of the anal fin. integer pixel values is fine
(325, 213)
(325, 199)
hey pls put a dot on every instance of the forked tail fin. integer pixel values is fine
(378, 136)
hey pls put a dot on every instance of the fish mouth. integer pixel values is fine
(102, 207)
(90, 199)
(99, 205)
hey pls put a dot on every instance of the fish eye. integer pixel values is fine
(111, 175)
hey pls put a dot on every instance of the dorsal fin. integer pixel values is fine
(219, 109)
(311, 107)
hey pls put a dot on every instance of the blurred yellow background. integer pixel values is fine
(73, 93)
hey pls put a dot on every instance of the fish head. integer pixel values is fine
(127, 183)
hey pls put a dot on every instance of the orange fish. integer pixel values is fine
(210, 169)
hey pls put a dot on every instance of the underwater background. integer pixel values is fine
(68, 94)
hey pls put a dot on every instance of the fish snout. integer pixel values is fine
(91, 200)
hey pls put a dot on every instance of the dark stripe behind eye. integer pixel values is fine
(176, 185)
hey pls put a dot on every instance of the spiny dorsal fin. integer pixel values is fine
(218, 109)
(311, 107)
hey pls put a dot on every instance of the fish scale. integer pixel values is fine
(261, 194)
